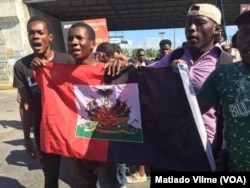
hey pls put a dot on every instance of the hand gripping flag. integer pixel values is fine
(141, 116)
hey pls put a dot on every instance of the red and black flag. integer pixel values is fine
(141, 116)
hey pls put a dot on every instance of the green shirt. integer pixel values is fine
(231, 84)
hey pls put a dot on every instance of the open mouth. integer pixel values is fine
(36, 46)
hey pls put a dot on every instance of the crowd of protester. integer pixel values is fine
(215, 84)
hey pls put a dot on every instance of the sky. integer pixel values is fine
(138, 37)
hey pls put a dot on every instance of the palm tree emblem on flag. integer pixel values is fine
(106, 119)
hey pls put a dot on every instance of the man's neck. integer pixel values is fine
(47, 56)
(89, 61)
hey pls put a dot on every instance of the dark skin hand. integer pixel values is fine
(37, 62)
(113, 66)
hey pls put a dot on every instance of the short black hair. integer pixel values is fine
(140, 50)
(42, 19)
(165, 41)
(107, 48)
(90, 30)
(117, 47)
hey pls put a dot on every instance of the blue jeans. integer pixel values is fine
(121, 174)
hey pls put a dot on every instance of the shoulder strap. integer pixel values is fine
(224, 58)
(177, 53)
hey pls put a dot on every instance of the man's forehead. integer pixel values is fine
(245, 25)
(165, 46)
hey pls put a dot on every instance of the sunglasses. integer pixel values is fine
(101, 54)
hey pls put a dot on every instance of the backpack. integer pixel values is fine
(224, 58)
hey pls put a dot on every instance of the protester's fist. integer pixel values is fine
(113, 66)
(175, 62)
(37, 62)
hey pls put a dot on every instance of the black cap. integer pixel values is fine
(243, 17)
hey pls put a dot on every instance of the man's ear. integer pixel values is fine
(93, 44)
(217, 29)
(51, 37)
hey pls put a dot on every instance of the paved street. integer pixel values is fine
(17, 169)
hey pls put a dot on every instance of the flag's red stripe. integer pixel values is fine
(56, 136)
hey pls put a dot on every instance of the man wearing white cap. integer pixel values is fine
(201, 53)
(231, 85)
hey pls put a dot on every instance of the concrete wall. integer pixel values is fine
(14, 16)
(10, 27)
